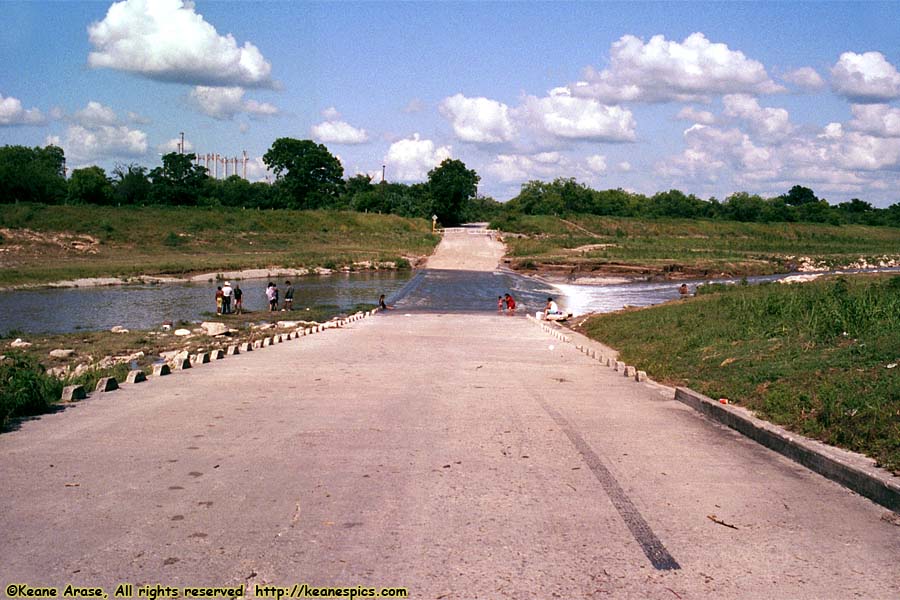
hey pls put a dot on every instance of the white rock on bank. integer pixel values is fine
(118, 329)
(214, 328)
(182, 332)
(61, 353)
(19, 343)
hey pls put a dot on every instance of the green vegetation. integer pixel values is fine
(53, 243)
(692, 247)
(25, 388)
(820, 358)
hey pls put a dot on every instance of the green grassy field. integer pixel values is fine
(588, 243)
(820, 358)
(42, 244)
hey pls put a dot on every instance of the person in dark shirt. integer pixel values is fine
(288, 296)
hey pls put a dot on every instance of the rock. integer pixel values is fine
(287, 323)
(61, 353)
(182, 332)
(19, 343)
(118, 329)
(213, 328)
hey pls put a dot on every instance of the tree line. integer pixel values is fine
(308, 176)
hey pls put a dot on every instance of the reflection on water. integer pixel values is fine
(64, 310)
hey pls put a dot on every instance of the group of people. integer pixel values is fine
(507, 303)
(272, 295)
(229, 299)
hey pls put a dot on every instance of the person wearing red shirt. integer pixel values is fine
(510, 303)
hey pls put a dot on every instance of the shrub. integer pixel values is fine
(25, 388)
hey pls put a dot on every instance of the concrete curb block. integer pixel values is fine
(182, 364)
(136, 376)
(202, 358)
(161, 370)
(73, 393)
(217, 355)
(107, 384)
(232, 350)
(853, 471)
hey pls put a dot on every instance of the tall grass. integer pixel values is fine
(814, 357)
(25, 389)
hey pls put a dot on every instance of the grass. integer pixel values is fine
(814, 357)
(27, 389)
(54, 243)
(586, 243)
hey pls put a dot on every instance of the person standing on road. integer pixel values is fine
(227, 293)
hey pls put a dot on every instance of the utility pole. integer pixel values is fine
(382, 173)
(181, 145)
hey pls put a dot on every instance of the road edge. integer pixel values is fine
(851, 470)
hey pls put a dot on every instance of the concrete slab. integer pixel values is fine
(504, 466)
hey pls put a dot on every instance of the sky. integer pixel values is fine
(708, 98)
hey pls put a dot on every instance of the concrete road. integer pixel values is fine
(457, 456)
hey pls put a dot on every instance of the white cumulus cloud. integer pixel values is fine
(96, 133)
(339, 132)
(768, 123)
(689, 113)
(805, 78)
(479, 120)
(596, 163)
(167, 40)
(663, 70)
(410, 159)
(12, 113)
(95, 115)
(564, 116)
(866, 77)
(224, 103)
(879, 120)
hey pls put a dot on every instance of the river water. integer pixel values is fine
(63, 310)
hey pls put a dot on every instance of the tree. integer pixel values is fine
(130, 184)
(178, 180)
(308, 175)
(799, 195)
(32, 174)
(89, 186)
(451, 185)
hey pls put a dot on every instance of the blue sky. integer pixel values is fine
(709, 98)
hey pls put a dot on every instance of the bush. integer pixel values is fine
(25, 388)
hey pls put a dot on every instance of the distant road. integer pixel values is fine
(458, 456)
